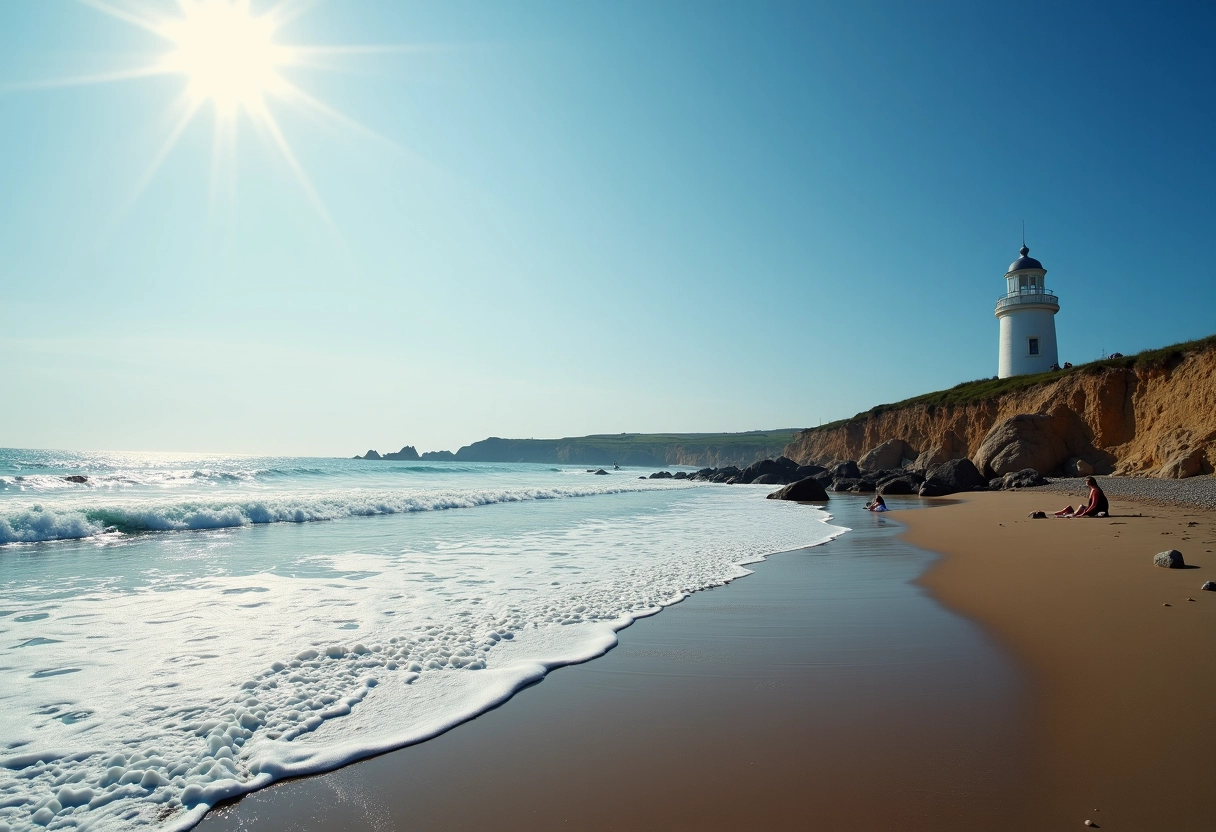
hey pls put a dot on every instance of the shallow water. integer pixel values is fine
(177, 630)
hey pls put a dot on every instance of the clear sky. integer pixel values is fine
(545, 219)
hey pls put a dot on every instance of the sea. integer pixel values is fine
(180, 629)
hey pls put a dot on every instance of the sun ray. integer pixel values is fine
(267, 120)
(126, 16)
(86, 80)
(190, 110)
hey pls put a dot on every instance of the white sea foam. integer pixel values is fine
(147, 676)
(140, 702)
(90, 515)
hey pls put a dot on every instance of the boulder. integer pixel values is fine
(952, 477)
(772, 479)
(787, 463)
(863, 486)
(759, 469)
(844, 483)
(1077, 467)
(657, 475)
(77, 478)
(804, 491)
(996, 483)
(704, 474)
(899, 485)
(680, 475)
(1023, 441)
(371, 455)
(1210, 586)
(804, 471)
(950, 447)
(847, 469)
(1187, 463)
(890, 454)
(824, 477)
(1169, 560)
(1026, 478)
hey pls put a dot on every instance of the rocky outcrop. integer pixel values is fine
(1151, 417)
(407, 454)
(369, 455)
(951, 478)
(1027, 440)
(807, 490)
(894, 453)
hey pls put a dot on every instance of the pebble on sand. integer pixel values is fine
(1169, 560)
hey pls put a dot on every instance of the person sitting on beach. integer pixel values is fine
(879, 504)
(1097, 503)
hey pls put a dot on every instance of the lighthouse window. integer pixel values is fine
(1034, 346)
(1024, 282)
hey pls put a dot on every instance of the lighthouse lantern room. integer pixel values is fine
(1027, 315)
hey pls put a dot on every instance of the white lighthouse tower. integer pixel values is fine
(1028, 323)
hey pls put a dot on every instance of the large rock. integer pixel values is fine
(951, 478)
(657, 475)
(770, 479)
(863, 486)
(1077, 467)
(894, 453)
(950, 447)
(1185, 464)
(847, 469)
(1170, 560)
(1026, 478)
(899, 485)
(843, 483)
(761, 468)
(371, 455)
(1023, 441)
(807, 490)
(804, 471)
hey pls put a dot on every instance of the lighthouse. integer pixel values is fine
(1027, 313)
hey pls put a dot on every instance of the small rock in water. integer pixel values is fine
(1210, 586)
(1169, 560)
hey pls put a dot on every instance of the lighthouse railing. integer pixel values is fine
(1043, 296)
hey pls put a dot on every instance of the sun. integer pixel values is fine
(231, 63)
(227, 55)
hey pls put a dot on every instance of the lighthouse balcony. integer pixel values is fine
(1039, 297)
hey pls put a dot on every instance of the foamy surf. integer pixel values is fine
(150, 676)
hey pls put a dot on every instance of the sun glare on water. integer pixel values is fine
(227, 54)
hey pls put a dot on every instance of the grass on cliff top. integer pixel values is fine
(989, 388)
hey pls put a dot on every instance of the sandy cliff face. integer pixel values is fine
(1158, 421)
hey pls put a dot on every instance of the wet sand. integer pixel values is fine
(1123, 700)
(826, 691)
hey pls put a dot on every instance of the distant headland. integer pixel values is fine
(643, 449)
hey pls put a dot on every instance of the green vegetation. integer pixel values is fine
(989, 388)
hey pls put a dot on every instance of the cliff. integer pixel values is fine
(1153, 414)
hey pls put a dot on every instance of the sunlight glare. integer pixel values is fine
(226, 53)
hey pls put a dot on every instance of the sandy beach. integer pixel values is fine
(1121, 661)
(837, 688)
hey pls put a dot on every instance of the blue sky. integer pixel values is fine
(549, 219)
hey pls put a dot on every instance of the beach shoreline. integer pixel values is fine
(1079, 696)
(826, 688)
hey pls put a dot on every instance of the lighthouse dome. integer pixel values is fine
(1025, 261)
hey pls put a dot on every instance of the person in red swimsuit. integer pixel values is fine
(1097, 503)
